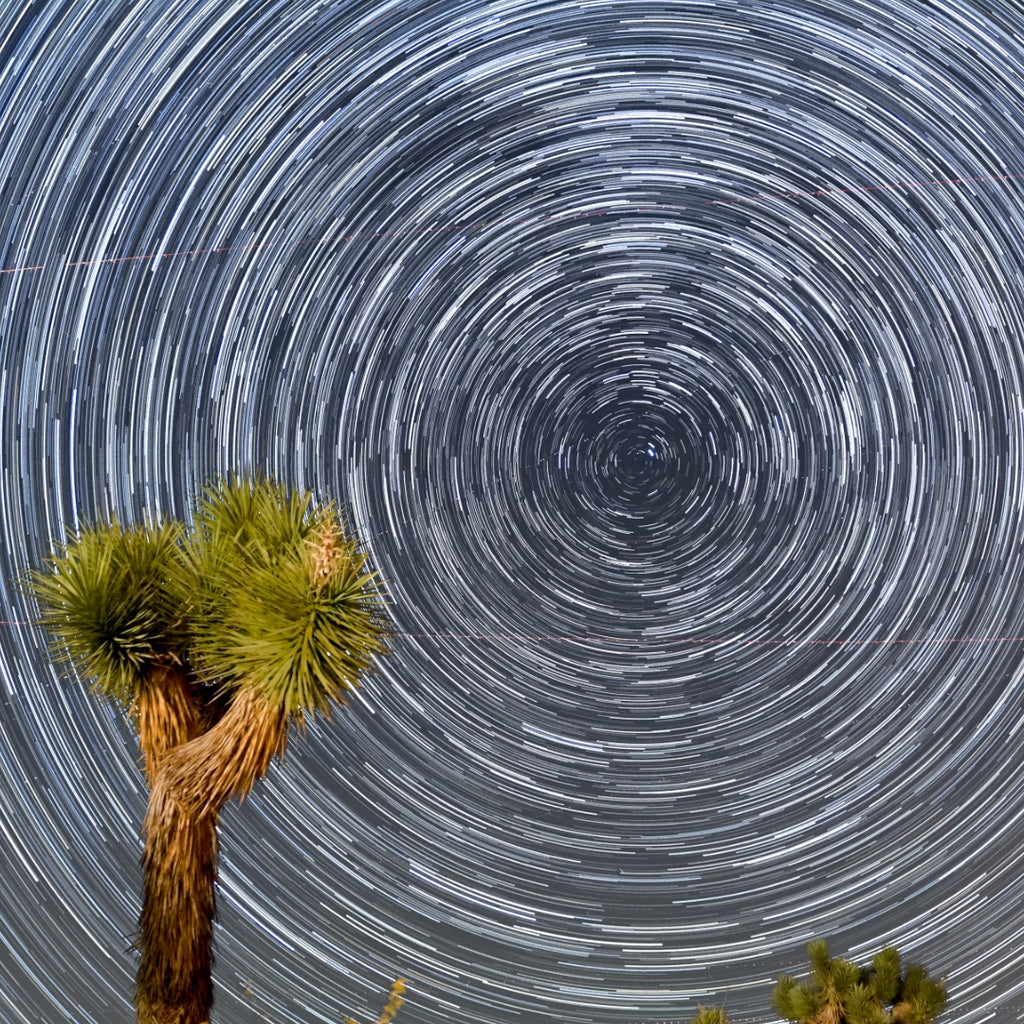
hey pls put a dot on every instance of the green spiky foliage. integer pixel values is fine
(105, 598)
(920, 999)
(287, 606)
(863, 1007)
(266, 612)
(823, 999)
(793, 1000)
(840, 992)
(710, 1015)
(885, 975)
(112, 601)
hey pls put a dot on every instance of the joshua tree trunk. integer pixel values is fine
(174, 984)
(192, 784)
(227, 760)
(166, 714)
(179, 867)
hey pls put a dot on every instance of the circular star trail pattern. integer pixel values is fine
(669, 358)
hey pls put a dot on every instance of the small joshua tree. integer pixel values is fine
(840, 992)
(710, 1015)
(212, 640)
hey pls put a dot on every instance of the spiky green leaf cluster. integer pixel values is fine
(109, 598)
(238, 522)
(258, 519)
(266, 591)
(921, 998)
(885, 974)
(710, 1015)
(793, 1000)
(264, 617)
(839, 991)
(863, 1007)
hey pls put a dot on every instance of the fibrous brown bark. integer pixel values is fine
(193, 782)
(174, 983)
(166, 714)
(226, 761)
(179, 868)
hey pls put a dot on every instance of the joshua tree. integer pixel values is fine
(213, 640)
(840, 992)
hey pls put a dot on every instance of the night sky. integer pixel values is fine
(669, 357)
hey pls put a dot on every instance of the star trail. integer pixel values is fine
(669, 359)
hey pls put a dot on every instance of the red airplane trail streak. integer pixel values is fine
(668, 641)
(476, 225)
(655, 641)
